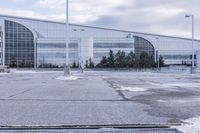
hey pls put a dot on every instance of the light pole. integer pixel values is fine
(67, 71)
(158, 54)
(193, 63)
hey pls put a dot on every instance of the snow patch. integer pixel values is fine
(133, 89)
(70, 78)
(34, 72)
(161, 101)
(169, 85)
(25, 72)
(190, 126)
(4, 73)
(183, 85)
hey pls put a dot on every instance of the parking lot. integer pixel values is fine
(100, 98)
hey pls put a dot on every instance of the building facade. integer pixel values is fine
(1, 45)
(28, 42)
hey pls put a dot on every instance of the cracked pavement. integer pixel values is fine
(96, 98)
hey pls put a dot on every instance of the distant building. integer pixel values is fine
(33, 42)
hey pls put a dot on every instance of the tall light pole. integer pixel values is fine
(158, 54)
(193, 62)
(67, 71)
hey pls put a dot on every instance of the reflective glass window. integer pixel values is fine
(142, 45)
(19, 45)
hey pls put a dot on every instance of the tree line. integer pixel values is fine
(119, 60)
(130, 60)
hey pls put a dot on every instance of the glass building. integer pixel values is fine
(102, 48)
(26, 42)
(1, 46)
(143, 46)
(54, 54)
(19, 45)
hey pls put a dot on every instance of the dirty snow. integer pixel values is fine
(161, 101)
(169, 85)
(34, 72)
(70, 78)
(25, 72)
(182, 85)
(4, 73)
(133, 89)
(191, 126)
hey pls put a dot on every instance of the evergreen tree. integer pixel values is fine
(152, 61)
(161, 62)
(117, 59)
(120, 59)
(131, 60)
(146, 61)
(137, 62)
(103, 63)
(74, 65)
(123, 57)
(111, 59)
(91, 63)
(86, 64)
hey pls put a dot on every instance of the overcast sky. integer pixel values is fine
(152, 16)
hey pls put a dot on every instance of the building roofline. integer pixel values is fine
(57, 22)
(151, 34)
(34, 19)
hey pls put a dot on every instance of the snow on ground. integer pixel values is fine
(33, 72)
(4, 73)
(25, 72)
(161, 101)
(133, 89)
(176, 69)
(182, 85)
(169, 85)
(70, 78)
(191, 126)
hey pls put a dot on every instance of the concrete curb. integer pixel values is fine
(65, 127)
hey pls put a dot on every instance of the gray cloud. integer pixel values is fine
(154, 16)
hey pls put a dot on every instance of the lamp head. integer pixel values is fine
(188, 15)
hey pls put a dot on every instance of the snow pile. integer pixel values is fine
(65, 78)
(161, 101)
(25, 72)
(4, 73)
(191, 126)
(169, 85)
(34, 72)
(197, 85)
(133, 89)
(176, 69)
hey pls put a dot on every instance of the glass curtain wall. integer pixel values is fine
(140, 46)
(143, 46)
(54, 54)
(1, 46)
(19, 45)
(102, 49)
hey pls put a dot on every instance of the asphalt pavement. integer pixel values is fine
(98, 98)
